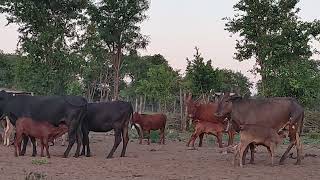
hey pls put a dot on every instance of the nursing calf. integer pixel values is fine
(43, 130)
(251, 135)
(147, 122)
(207, 127)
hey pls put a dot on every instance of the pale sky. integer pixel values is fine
(175, 27)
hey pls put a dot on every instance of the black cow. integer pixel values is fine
(53, 109)
(103, 117)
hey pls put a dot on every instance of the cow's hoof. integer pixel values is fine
(109, 157)
(33, 155)
(297, 163)
(88, 155)
(76, 155)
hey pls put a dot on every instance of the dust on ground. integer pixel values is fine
(171, 161)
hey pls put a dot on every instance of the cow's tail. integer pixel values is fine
(130, 116)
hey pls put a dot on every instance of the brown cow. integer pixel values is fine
(205, 112)
(251, 135)
(43, 130)
(207, 127)
(147, 122)
(274, 113)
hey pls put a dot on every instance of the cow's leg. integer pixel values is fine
(72, 138)
(149, 133)
(125, 138)
(243, 147)
(219, 138)
(236, 154)
(194, 137)
(24, 146)
(245, 155)
(79, 140)
(141, 136)
(34, 146)
(201, 139)
(299, 149)
(17, 144)
(42, 147)
(46, 145)
(161, 136)
(85, 142)
(285, 154)
(231, 137)
(271, 150)
(252, 146)
(117, 140)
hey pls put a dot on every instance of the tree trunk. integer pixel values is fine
(116, 64)
(159, 106)
(144, 103)
(136, 106)
(152, 109)
(140, 104)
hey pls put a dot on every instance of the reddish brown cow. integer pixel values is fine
(205, 112)
(257, 135)
(148, 122)
(207, 127)
(43, 130)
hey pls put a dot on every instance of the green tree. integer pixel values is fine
(45, 29)
(7, 69)
(159, 84)
(118, 26)
(273, 34)
(200, 76)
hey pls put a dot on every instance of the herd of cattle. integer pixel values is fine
(260, 122)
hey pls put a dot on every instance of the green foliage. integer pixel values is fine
(118, 26)
(201, 78)
(7, 66)
(273, 34)
(75, 88)
(159, 83)
(45, 28)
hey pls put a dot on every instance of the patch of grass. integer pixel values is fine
(36, 176)
(311, 138)
(40, 161)
(154, 136)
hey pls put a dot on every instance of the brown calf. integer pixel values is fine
(45, 131)
(207, 127)
(251, 135)
(205, 112)
(148, 122)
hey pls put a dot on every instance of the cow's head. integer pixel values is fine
(225, 105)
(191, 106)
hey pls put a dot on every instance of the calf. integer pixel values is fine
(205, 112)
(251, 135)
(147, 122)
(43, 130)
(207, 127)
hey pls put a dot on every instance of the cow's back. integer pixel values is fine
(266, 112)
(205, 112)
(154, 121)
(100, 117)
(45, 108)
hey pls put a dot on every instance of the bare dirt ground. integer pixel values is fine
(170, 161)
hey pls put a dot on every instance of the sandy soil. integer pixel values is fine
(170, 161)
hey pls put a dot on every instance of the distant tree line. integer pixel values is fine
(89, 48)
